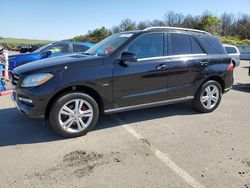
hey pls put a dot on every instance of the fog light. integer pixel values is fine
(29, 101)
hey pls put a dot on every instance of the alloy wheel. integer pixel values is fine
(210, 96)
(76, 115)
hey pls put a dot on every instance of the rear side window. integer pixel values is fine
(231, 50)
(211, 44)
(196, 49)
(150, 45)
(180, 44)
(79, 48)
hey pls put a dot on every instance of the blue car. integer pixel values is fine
(51, 50)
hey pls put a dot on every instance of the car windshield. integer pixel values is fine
(39, 50)
(109, 44)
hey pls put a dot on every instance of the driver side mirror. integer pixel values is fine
(128, 57)
(46, 54)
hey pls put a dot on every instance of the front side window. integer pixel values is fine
(59, 49)
(150, 45)
(181, 44)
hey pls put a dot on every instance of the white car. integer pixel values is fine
(234, 53)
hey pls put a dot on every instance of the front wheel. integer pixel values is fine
(74, 114)
(208, 97)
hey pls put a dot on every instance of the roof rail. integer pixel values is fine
(177, 28)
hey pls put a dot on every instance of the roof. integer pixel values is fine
(176, 28)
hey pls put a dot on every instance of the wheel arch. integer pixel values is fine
(216, 78)
(77, 88)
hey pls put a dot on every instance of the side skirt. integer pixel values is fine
(148, 105)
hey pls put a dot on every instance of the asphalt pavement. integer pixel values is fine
(168, 146)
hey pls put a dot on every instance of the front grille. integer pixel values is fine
(15, 79)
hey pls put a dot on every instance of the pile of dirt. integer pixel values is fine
(76, 164)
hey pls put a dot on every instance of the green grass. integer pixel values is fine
(13, 42)
(235, 41)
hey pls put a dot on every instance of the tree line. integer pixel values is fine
(226, 25)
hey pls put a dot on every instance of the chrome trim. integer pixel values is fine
(171, 56)
(13, 98)
(25, 100)
(159, 103)
(177, 28)
(227, 89)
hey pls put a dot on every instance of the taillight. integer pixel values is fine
(230, 67)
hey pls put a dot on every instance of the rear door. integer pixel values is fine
(144, 81)
(188, 63)
(77, 48)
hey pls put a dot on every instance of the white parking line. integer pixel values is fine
(164, 157)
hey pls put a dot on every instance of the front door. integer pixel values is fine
(144, 81)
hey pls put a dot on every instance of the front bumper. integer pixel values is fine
(31, 110)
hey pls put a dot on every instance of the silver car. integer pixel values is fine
(234, 53)
(244, 52)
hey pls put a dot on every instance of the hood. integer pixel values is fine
(58, 63)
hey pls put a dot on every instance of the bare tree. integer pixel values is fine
(143, 25)
(157, 23)
(242, 29)
(127, 25)
(227, 24)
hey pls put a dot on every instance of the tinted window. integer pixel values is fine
(150, 45)
(211, 44)
(183, 44)
(79, 48)
(231, 50)
(59, 49)
(196, 49)
(179, 44)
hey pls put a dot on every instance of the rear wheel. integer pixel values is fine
(208, 97)
(74, 114)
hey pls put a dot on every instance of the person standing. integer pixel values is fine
(5, 61)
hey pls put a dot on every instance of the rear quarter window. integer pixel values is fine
(211, 44)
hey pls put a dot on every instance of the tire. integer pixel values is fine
(202, 97)
(67, 111)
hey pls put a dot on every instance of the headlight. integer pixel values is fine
(36, 79)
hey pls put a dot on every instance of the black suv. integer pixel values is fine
(126, 71)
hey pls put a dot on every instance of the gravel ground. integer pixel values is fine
(169, 146)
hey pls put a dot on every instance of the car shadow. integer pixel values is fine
(17, 129)
(242, 87)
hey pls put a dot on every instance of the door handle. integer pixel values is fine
(161, 67)
(204, 63)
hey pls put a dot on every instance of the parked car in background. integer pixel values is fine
(25, 49)
(47, 51)
(234, 53)
(126, 71)
(244, 52)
